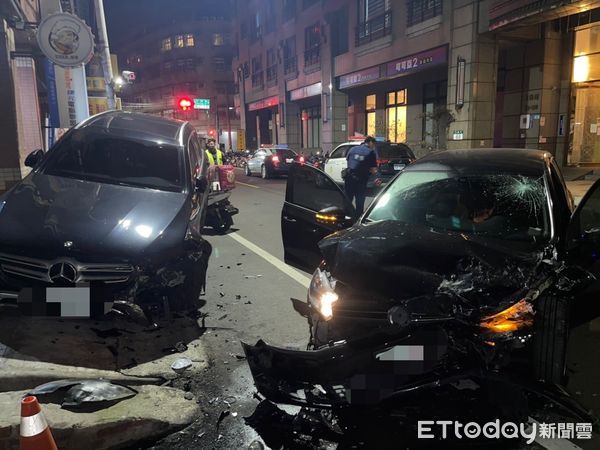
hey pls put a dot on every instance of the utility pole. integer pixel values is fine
(105, 53)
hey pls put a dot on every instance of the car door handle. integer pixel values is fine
(287, 219)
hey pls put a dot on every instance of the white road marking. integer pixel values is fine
(280, 265)
(246, 184)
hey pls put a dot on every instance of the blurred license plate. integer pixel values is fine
(398, 166)
(289, 160)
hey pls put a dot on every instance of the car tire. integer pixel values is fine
(224, 226)
(549, 346)
(264, 173)
(248, 173)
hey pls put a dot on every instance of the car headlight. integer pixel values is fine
(516, 317)
(321, 293)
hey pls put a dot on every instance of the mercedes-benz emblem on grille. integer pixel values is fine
(61, 272)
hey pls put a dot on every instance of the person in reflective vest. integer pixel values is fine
(213, 154)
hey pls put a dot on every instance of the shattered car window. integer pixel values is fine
(506, 206)
(86, 155)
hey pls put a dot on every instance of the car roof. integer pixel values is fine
(137, 126)
(517, 160)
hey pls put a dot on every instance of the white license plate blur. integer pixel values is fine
(402, 353)
(398, 166)
(289, 160)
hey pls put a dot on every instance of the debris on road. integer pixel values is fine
(229, 400)
(181, 365)
(249, 277)
(188, 396)
(82, 391)
(181, 347)
(256, 445)
(222, 416)
(223, 317)
(221, 294)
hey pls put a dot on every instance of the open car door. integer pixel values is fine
(583, 250)
(314, 207)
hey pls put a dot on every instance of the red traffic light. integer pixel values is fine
(185, 104)
(211, 132)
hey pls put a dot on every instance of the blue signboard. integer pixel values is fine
(52, 94)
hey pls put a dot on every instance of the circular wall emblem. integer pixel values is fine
(62, 272)
(66, 40)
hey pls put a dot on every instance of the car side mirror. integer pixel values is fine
(332, 215)
(201, 184)
(34, 158)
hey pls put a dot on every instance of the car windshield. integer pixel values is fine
(97, 157)
(505, 206)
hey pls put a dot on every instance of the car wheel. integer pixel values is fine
(264, 173)
(248, 173)
(551, 332)
(223, 227)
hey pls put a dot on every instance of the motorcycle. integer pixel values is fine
(220, 211)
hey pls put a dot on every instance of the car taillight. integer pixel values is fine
(381, 162)
(275, 159)
(301, 160)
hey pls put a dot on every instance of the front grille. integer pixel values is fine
(39, 269)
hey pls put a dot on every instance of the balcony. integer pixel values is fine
(312, 59)
(290, 66)
(421, 10)
(272, 75)
(373, 29)
(258, 80)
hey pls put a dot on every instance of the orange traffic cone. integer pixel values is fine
(35, 432)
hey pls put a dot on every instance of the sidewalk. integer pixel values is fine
(578, 188)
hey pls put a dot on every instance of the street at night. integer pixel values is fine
(299, 224)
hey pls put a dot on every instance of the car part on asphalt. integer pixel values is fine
(181, 365)
(74, 393)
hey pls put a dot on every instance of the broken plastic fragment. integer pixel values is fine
(181, 365)
(85, 391)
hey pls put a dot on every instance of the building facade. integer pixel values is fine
(434, 74)
(186, 58)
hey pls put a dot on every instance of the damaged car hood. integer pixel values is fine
(398, 260)
(93, 217)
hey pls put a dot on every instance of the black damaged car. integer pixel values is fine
(116, 205)
(469, 263)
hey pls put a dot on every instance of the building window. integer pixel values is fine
(257, 27)
(180, 65)
(179, 41)
(168, 66)
(312, 46)
(374, 20)
(270, 19)
(217, 39)
(311, 127)
(421, 10)
(290, 60)
(271, 67)
(308, 3)
(166, 45)
(371, 114)
(289, 9)
(257, 73)
(396, 116)
(189, 40)
(219, 64)
(190, 65)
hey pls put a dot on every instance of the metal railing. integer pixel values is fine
(272, 75)
(421, 10)
(312, 57)
(375, 28)
(290, 65)
(258, 80)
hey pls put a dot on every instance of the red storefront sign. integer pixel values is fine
(264, 103)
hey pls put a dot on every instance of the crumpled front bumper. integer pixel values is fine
(353, 372)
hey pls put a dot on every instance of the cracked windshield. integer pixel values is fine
(299, 224)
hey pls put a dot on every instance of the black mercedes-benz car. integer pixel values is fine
(468, 262)
(117, 204)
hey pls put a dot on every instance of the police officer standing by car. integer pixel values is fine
(362, 162)
(214, 156)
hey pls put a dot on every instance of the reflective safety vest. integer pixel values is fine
(211, 158)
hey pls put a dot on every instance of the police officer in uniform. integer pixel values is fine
(362, 162)
(214, 156)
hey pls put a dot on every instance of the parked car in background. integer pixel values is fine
(391, 159)
(472, 258)
(271, 161)
(117, 204)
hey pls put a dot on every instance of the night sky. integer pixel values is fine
(129, 17)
